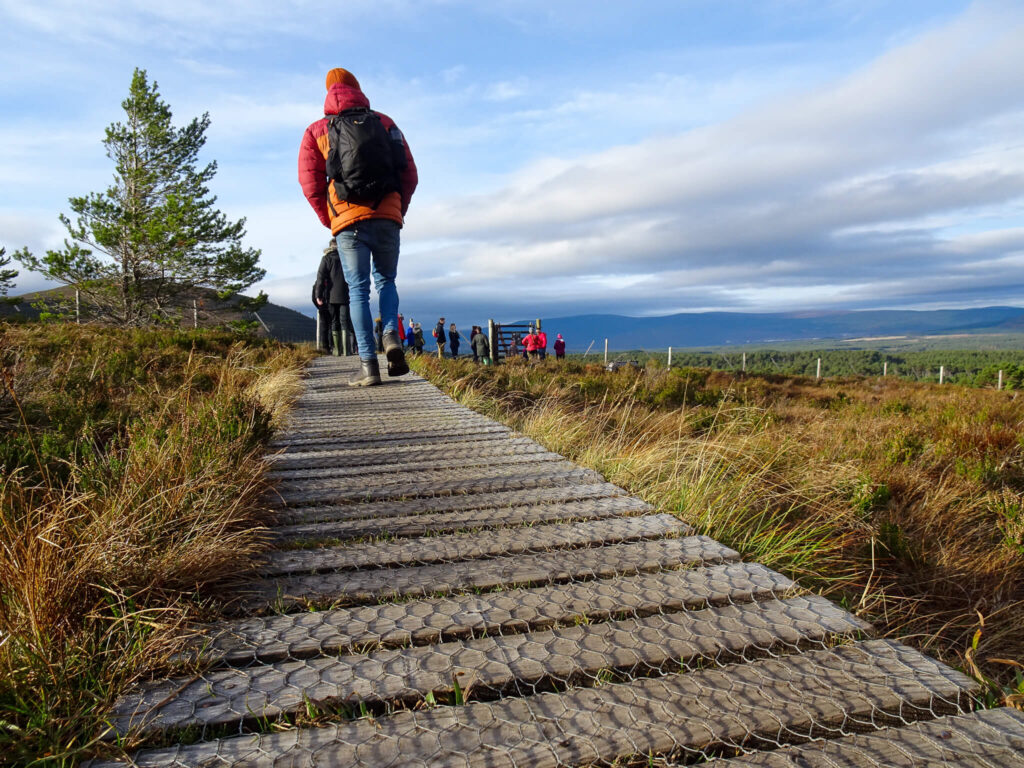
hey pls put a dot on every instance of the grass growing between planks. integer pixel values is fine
(901, 501)
(131, 482)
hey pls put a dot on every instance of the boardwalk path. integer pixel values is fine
(446, 592)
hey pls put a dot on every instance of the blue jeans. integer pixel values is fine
(379, 239)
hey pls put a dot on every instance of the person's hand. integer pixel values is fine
(319, 302)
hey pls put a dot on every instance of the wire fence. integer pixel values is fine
(998, 369)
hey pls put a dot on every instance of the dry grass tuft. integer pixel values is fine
(133, 479)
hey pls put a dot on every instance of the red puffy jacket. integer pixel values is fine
(313, 174)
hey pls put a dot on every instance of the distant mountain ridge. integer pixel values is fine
(707, 329)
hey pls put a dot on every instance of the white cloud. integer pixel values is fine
(663, 188)
(507, 90)
(805, 183)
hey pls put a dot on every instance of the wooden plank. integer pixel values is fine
(427, 466)
(385, 476)
(469, 546)
(450, 503)
(691, 716)
(389, 428)
(433, 620)
(449, 522)
(360, 587)
(294, 442)
(991, 738)
(478, 481)
(400, 454)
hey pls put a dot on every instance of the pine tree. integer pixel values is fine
(6, 275)
(155, 235)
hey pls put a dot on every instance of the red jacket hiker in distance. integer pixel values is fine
(530, 342)
(313, 161)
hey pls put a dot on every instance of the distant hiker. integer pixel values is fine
(481, 347)
(559, 348)
(453, 340)
(418, 338)
(513, 347)
(530, 345)
(439, 337)
(410, 335)
(331, 293)
(472, 335)
(358, 174)
(542, 344)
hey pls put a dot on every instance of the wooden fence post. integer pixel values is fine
(999, 384)
(669, 358)
(78, 307)
(492, 340)
(606, 351)
(744, 362)
(885, 368)
(942, 373)
(818, 374)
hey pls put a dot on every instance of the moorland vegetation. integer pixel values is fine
(131, 482)
(902, 501)
(966, 367)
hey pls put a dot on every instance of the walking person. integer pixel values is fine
(331, 292)
(418, 337)
(481, 346)
(439, 336)
(410, 335)
(453, 340)
(530, 345)
(542, 344)
(360, 189)
(559, 347)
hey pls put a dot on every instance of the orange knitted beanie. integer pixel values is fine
(343, 76)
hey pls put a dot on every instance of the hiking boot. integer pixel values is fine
(337, 343)
(396, 356)
(369, 374)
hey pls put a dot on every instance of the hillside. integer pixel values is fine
(275, 321)
(705, 329)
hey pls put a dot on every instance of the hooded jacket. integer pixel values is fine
(480, 344)
(313, 168)
(330, 282)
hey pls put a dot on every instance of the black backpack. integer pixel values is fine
(363, 160)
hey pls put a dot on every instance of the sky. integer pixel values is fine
(574, 156)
